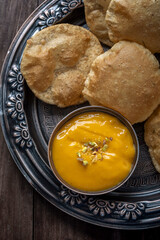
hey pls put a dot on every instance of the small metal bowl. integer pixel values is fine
(88, 109)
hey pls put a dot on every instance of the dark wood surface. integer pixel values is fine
(24, 214)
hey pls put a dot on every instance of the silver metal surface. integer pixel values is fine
(27, 124)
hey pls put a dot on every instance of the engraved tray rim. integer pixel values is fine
(31, 172)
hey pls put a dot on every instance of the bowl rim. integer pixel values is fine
(77, 112)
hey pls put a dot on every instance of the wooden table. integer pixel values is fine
(24, 214)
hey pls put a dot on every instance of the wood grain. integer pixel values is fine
(59, 226)
(16, 195)
(24, 214)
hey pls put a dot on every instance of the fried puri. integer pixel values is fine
(135, 20)
(95, 12)
(152, 137)
(56, 62)
(127, 79)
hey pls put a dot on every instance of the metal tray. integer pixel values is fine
(27, 124)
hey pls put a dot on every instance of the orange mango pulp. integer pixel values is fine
(103, 174)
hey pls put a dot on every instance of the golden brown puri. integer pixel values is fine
(56, 62)
(127, 79)
(95, 12)
(135, 20)
(152, 137)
